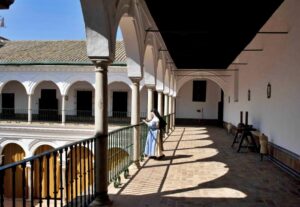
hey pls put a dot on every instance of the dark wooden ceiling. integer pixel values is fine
(4, 4)
(209, 33)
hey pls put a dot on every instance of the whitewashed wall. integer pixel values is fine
(279, 64)
(186, 108)
(143, 101)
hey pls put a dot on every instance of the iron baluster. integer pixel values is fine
(66, 176)
(1, 188)
(31, 180)
(84, 172)
(71, 173)
(23, 165)
(54, 178)
(40, 181)
(14, 185)
(61, 176)
(48, 179)
(75, 171)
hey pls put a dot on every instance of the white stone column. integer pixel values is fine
(170, 112)
(101, 132)
(63, 109)
(150, 102)
(29, 108)
(166, 112)
(135, 119)
(160, 103)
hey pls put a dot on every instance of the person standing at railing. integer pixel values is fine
(153, 146)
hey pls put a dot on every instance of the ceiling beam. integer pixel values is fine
(273, 32)
(253, 50)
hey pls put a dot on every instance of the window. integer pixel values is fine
(199, 91)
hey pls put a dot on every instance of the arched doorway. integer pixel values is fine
(46, 98)
(119, 102)
(80, 172)
(199, 101)
(13, 153)
(80, 102)
(41, 171)
(13, 101)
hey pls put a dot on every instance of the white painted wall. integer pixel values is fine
(143, 101)
(279, 64)
(186, 108)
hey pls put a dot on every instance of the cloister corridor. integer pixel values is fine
(201, 169)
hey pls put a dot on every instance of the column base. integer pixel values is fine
(101, 199)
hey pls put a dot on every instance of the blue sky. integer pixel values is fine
(44, 20)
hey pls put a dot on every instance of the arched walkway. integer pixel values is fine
(119, 101)
(13, 153)
(79, 106)
(41, 171)
(80, 172)
(46, 101)
(13, 103)
(198, 101)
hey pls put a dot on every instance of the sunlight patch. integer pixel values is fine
(211, 193)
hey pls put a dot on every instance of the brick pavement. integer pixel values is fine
(201, 169)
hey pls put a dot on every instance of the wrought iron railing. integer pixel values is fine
(65, 176)
(13, 114)
(59, 176)
(71, 116)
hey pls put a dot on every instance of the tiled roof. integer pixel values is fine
(51, 52)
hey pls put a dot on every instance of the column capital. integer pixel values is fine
(101, 65)
(150, 86)
(159, 91)
(135, 80)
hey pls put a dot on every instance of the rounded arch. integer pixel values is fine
(133, 45)
(5, 142)
(167, 81)
(12, 153)
(34, 85)
(119, 78)
(37, 144)
(66, 91)
(206, 75)
(45, 170)
(172, 84)
(75, 79)
(3, 84)
(81, 160)
(160, 76)
(149, 66)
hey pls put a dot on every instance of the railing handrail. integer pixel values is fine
(32, 158)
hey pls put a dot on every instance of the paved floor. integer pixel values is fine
(201, 169)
